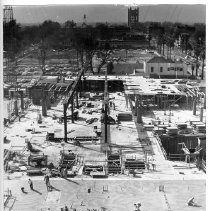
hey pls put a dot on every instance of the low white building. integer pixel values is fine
(160, 67)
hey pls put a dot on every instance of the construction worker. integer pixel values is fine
(47, 181)
(190, 202)
(65, 171)
(30, 184)
(66, 208)
(23, 190)
(153, 165)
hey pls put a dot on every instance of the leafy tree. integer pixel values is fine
(103, 31)
(48, 29)
(69, 24)
(203, 56)
(85, 43)
(169, 39)
(49, 32)
(42, 55)
(196, 46)
(104, 55)
(110, 67)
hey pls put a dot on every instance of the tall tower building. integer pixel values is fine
(133, 17)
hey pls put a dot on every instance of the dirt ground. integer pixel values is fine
(123, 191)
(117, 195)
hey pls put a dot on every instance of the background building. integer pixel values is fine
(133, 17)
(159, 67)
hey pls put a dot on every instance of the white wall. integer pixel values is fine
(165, 66)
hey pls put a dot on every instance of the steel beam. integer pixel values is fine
(70, 98)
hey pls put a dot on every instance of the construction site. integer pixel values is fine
(118, 141)
(146, 129)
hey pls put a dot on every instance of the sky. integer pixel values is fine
(109, 13)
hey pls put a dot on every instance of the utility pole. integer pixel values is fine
(105, 105)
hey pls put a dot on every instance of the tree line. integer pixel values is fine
(85, 38)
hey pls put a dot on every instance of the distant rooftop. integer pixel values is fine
(160, 59)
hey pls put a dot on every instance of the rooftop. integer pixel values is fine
(159, 59)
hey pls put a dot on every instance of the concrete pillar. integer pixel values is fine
(16, 107)
(44, 107)
(194, 106)
(201, 114)
(139, 115)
